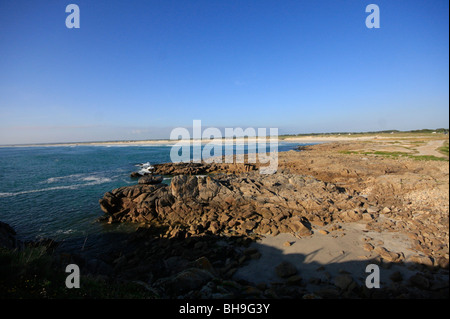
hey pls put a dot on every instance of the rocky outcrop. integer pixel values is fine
(199, 168)
(316, 190)
(150, 179)
(229, 204)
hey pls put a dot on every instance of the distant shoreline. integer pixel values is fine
(319, 138)
(138, 143)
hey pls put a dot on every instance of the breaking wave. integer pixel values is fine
(90, 180)
(146, 168)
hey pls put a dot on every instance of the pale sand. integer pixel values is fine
(334, 138)
(335, 253)
(115, 143)
(431, 148)
(148, 142)
(301, 140)
(242, 140)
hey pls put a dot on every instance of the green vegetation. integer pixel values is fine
(417, 142)
(428, 131)
(385, 132)
(34, 273)
(444, 149)
(399, 154)
(388, 154)
(429, 158)
(348, 152)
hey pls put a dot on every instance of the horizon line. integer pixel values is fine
(441, 130)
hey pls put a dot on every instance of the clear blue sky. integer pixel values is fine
(136, 69)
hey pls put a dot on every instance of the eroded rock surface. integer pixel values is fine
(262, 204)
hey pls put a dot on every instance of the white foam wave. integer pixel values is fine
(60, 178)
(40, 190)
(144, 165)
(96, 180)
(6, 194)
(77, 178)
(146, 168)
(65, 232)
(90, 182)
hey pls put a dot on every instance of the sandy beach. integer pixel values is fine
(306, 139)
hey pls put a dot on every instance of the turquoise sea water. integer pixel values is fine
(54, 191)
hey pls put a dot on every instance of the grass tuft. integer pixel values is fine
(399, 154)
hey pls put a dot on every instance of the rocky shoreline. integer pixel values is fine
(243, 204)
(214, 231)
(227, 207)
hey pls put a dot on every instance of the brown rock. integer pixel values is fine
(183, 186)
(232, 223)
(318, 222)
(265, 213)
(387, 255)
(372, 210)
(109, 203)
(265, 229)
(354, 215)
(214, 227)
(150, 179)
(249, 225)
(367, 217)
(443, 262)
(422, 260)
(297, 226)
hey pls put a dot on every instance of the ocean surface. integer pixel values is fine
(53, 191)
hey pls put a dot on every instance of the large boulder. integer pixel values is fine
(183, 186)
(109, 203)
(298, 226)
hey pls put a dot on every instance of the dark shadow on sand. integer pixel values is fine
(240, 267)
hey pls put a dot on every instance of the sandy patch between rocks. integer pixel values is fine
(325, 256)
